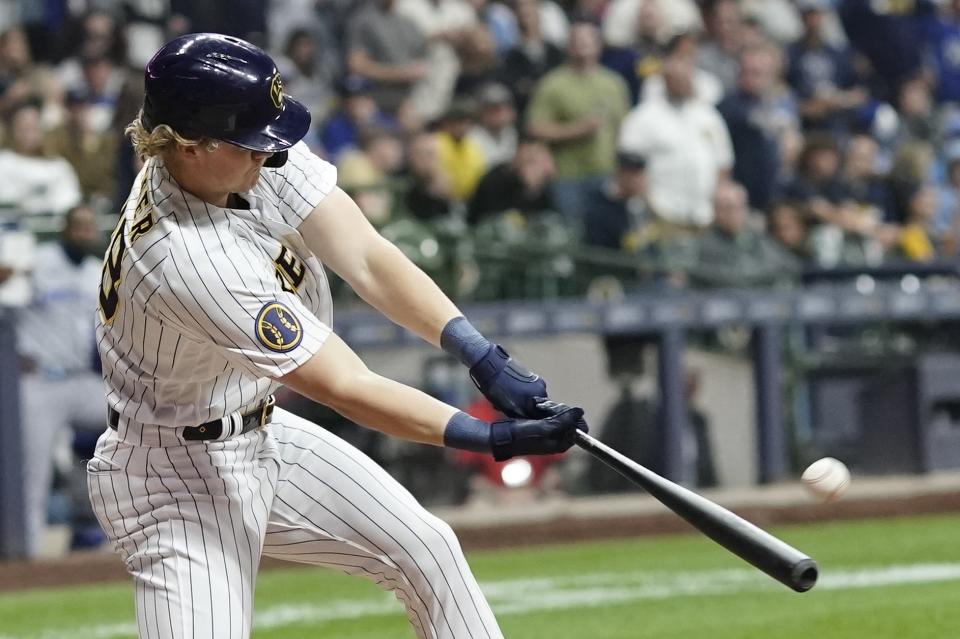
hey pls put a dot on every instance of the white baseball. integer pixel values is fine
(826, 479)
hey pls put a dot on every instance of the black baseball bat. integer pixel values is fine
(758, 547)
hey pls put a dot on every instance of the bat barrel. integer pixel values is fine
(805, 575)
(752, 544)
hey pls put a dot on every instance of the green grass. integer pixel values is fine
(664, 588)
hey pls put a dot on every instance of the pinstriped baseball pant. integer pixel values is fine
(191, 520)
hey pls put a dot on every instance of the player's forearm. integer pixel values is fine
(393, 408)
(336, 377)
(396, 287)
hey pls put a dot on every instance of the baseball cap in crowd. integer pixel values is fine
(493, 94)
(461, 108)
(631, 160)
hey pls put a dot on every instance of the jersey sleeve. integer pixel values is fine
(301, 183)
(236, 303)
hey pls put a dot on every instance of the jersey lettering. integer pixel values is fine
(109, 297)
(143, 222)
(290, 270)
(143, 216)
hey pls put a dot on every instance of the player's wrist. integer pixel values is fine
(463, 341)
(467, 433)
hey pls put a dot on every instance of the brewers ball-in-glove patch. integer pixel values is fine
(278, 328)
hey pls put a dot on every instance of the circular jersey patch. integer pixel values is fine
(278, 328)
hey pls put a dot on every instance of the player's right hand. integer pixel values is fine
(547, 436)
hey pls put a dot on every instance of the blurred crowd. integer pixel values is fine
(721, 142)
(513, 147)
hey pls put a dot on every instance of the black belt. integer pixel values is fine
(214, 428)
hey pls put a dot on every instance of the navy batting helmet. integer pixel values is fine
(217, 86)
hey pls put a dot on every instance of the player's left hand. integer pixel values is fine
(548, 436)
(511, 388)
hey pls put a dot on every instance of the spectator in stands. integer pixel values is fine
(447, 26)
(942, 33)
(522, 185)
(19, 77)
(531, 58)
(823, 76)
(303, 74)
(911, 167)
(101, 80)
(706, 86)
(915, 242)
(946, 222)
(778, 20)
(577, 108)
(818, 185)
(687, 148)
(127, 163)
(389, 50)
(866, 186)
(96, 34)
(642, 57)
(461, 157)
(379, 154)
(368, 172)
(33, 183)
(56, 346)
(842, 231)
(788, 226)
(359, 175)
(759, 114)
(501, 22)
(719, 52)
(429, 192)
(479, 62)
(919, 119)
(554, 22)
(733, 254)
(358, 109)
(617, 216)
(242, 18)
(889, 35)
(550, 15)
(620, 20)
(495, 131)
(91, 153)
(144, 31)
(96, 64)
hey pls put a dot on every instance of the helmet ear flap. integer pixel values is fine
(276, 160)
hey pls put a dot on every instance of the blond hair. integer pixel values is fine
(160, 140)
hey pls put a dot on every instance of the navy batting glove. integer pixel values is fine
(549, 407)
(511, 388)
(554, 434)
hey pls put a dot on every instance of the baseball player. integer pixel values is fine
(212, 295)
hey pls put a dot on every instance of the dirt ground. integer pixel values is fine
(579, 519)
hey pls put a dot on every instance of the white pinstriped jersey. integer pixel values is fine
(201, 306)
